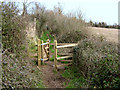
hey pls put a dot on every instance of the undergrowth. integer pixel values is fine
(98, 61)
(76, 79)
(46, 35)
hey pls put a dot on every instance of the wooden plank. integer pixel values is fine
(48, 49)
(62, 43)
(63, 57)
(64, 65)
(70, 54)
(65, 60)
(55, 54)
(44, 44)
(34, 24)
(39, 53)
(70, 45)
(46, 52)
(42, 49)
(44, 59)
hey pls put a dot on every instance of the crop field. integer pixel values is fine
(111, 35)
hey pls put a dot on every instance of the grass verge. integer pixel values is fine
(76, 79)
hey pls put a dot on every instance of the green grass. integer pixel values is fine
(32, 47)
(40, 85)
(66, 74)
(52, 58)
(76, 79)
(46, 35)
(54, 71)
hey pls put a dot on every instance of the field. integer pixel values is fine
(111, 35)
(95, 60)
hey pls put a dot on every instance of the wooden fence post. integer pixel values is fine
(39, 52)
(55, 54)
(34, 24)
(48, 49)
(42, 50)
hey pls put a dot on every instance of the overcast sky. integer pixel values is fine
(95, 10)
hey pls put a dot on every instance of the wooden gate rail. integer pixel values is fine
(46, 47)
(41, 48)
(55, 54)
(70, 45)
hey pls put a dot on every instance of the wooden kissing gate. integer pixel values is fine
(44, 49)
(56, 47)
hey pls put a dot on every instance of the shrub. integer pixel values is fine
(61, 26)
(17, 69)
(18, 73)
(13, 34)
(98, 61)
(76, 79)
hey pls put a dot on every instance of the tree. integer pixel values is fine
(91, 23)
(12, 29)
(25, 7)
(99, 24)
(9, 11)
(58, 9)
(96, 25)
(103, 24)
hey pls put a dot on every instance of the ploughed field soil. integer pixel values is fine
(110, 34)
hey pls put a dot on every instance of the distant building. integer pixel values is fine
(119, 13)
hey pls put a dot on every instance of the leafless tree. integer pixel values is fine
(25, 7)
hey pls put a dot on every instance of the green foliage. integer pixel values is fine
(39, 85)
(17, 74)
(46, 35)
(107, 75)
(76, 79)
(33, 48)
(98, 61)
(13, 34)
(18, 71)
(64, 28)
(52, 58)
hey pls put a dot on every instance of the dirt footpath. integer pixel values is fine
(51, 78)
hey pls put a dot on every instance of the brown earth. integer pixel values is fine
(51, 78)
(111, 35)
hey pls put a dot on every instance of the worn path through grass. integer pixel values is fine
(51, 78)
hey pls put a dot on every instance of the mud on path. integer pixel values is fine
(51, 78)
